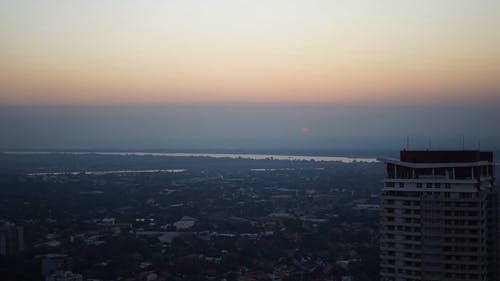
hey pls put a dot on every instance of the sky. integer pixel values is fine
(232, 74)
(184, 51)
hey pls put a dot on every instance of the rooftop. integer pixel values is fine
(445, 156)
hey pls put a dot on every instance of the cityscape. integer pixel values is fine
(235, 140)
(434, 217)
(207, 219)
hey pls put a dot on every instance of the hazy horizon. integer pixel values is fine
(293, 127)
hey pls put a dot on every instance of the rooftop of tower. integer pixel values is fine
(445, 156)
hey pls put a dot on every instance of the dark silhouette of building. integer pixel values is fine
(11, 239)
(55, 263)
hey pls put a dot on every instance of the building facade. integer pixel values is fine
(439, 217)
(11, 239)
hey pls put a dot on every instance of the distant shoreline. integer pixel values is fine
(213, 155)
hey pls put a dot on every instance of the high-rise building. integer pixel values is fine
(439, 217)
(11, 238)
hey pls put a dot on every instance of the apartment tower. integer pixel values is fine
(439, 217)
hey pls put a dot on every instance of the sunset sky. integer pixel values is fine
(189, 52)
(302, 75)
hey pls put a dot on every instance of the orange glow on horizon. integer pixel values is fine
(231, 51)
